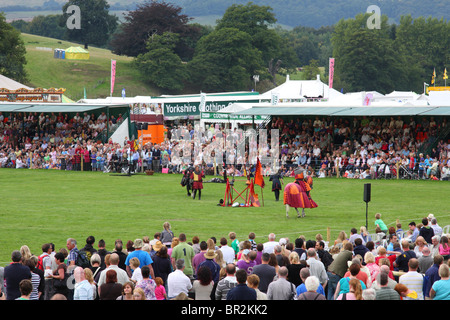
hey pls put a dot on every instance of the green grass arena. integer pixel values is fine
(40, 206)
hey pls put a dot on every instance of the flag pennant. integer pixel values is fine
(259, 180)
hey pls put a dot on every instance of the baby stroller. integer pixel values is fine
(384, 171)
(407, 173)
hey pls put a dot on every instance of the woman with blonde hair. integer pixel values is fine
(371, 265)
(26, 253)
(294, 268)
(167, 234)
(365, 234)
(219, 259)
(89, 275)
(174, 243)
(419, 245)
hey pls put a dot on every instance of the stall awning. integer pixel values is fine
(347, 111)
(55, 107)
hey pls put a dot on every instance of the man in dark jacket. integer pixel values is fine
(241, 291)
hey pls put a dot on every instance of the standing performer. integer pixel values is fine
(296, 195)
(277, 180)
(186, 179)
(197, 184)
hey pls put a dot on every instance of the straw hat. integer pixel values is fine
(210, 254)
(157, 246)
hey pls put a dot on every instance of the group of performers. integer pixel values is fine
(193, 180)
(296, 194)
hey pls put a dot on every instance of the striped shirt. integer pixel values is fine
(35, 281)
(414, 281)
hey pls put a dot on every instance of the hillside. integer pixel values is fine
(75, 75)
(290, 13)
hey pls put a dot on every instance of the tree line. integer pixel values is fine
(176, 55)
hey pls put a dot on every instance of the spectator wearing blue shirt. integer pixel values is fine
(304, 274)
(144, 258)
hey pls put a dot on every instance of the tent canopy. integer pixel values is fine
(77, 53)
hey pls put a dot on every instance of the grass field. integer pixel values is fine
(39, 206)
(74, 75)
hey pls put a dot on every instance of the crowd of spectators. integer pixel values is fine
(393, 264)
(358, 147)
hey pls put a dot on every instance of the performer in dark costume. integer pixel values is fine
(277, 180)
(296, 195)
(197, 184)
(186, 180)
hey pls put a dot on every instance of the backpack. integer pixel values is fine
(83, 260)
(40, 264)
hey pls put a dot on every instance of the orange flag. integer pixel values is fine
(259, 180)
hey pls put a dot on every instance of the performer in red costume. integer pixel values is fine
(197, 185)
(296, 195)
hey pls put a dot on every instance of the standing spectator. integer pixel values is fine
(88, 248)
(227, 283)
(110, 290)
(143, 256)
(338, 268)
(14, 273)
(204, 284)
(432, 275)
(304, 274)
(253, 282)
(121, 275)
(118, 249)
(412, 279)
(184, 251)
(294, 268)
(102, 252)
(316, 267)
(177, 281)
(147, 284)
(83, 288)
(25, 288)
(425, 261)
(210, 255)
(427, 232)
(227, 251)
(414, 230)
(241, 291)
(355, 291)
(281, 289)
(385, 292)
(200, 256)
(35, 280)
(343, 284)
(401, 263)
(441, 288)
(312, 283)
(166, 234)
(270, 245)
(247, 260)
(265, 272)
(444, 248)
(162, 266)
(436, 228)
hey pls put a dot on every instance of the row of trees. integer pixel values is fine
(177, 55)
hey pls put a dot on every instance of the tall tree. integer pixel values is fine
(12, 52)
(366, 58)
(96, 24)
(154, 18)
(160, 65)
(225, 60)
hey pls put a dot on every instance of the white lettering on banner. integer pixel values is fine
(374, 21)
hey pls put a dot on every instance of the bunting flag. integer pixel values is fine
(113, 75)
(434, 76)
(259, 180)
(445, 74)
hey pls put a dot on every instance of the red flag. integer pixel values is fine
(259, 180)
(253, 197)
